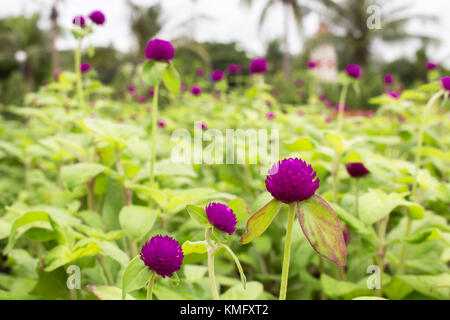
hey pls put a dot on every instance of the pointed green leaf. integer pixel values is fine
(80, 173)
(260, 221)
(198, 214)
(108, 292)
(135, 276)
(136, 221)
(171, 79)
(322, 229)
(152, 72)
(194, 247)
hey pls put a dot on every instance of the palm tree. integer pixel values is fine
(289, 7)
(353, 37)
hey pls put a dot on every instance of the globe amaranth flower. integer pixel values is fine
(79, 21)
(151, 92)
(233, 69)
(217, 75)
(221, 217)
(345, 108)
(142, 99)
(431, 65)
(258, 65)
(203, 125)
(97, 17)
(356, 169)
(196, 90)
(200, 72)
(162, 255)
(270, 115)
(393, 94)
(353, 71)
(292, 180)
(132, 89)
(299, 83)
(161, 123)
(311, 64)
(85, 67)
(446, 83)
(159, 50)
(388, 79)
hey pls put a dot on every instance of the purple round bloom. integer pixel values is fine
(292, 180)
(132, 89)
(345, 107)
(159, 50)
(233, 69)
(85, 67)
(196, 90)
(356, 169)
(446, 83)
(393, 94)
(162, 255)
(431, 65)
(311, 64)
(142, 99)
(270, 115)
(204, 126)
(258, 65)
(388, 79)
(200, 72)
(97, 17)
(217, 75)
(151, 92)
(79, 21)
(353, 71)
(161, 123)
(221, 217)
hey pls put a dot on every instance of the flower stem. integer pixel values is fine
(78, 73)
(431, 102)
(381, 251)
(90, 194)
(154, 128)
(287, 252)
(211, 249)
(150, 286)
(341, 105)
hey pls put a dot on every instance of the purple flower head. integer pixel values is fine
(79, 21)
(292, 180)
(446, 83)
(200, 72)
(159, 50)
(345, 107)
(299, 83)
(270, 115)
(356, 169)
(217, 75)
(353, 71)
(151, 92)
(233, 69)
(311, 64)
(97, 17)
(221, 217)
(393, 94)
(204, 126)
(161, 123)
(329, 103)
(162, 255)
(431, 65)
(142, 99)
(258, 65)
(388, 79)
(85, 67)
(196, 90)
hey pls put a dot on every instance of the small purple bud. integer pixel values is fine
(142, 99)
(151, 92)
(431, 65)
(97, 17)
(258, 65)
(196, 90)
(356, 169)
(161, 123)
(85, 67)
(446, 83)
(388, 79)
(353, 71)
(393, 94)
(200, 72)
(217, 75)
(79, 21)
(233, 69)
(270, 115)
(311, 64)
(221, 217)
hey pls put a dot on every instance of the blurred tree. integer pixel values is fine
(274, 55)
(290, 7)
(54, 32)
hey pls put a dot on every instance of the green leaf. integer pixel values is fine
(136, 221)
(353, 222)
(194, 247)
(435, 286)
(252, 292)
(112, 205)
(194, 273)
(171, 79)
(376, 204)
(152, 72)
(334, 288)
(322, 229)
(135, 276)
(108, 293)
(80, 173)
(260, 221)
(198, 214)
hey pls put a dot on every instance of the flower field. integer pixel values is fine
(208, 186)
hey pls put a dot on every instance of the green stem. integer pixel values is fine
(342, 99)
(150, 286)
(78, 73)
(211, 250)
(106, 271)
(287, 252)
(357, 197)
(381, 231)
(431, 102)
(90, 194)
(154, 128)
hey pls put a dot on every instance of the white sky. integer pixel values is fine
(228, 21)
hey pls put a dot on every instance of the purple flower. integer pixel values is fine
(200, 72)
(204, 126)
(159, 50)
(431, 65)
(258, 65)
(446, 83)
(161, 123)
(132, 89)
(311, 64)
(270, 115)
(393, 94)
(162, 255)
(79, 21)
(233, 69)
(85, 67)
(292, 180)
(353, 71)
(221, 217)
(388, 79)
(151, 92)
(97, 17)
(299, 83)
(217, 75)
(345, 107)
(196, 90)
(356, 169)
(142, 99)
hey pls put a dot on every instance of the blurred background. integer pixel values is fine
(211, 34)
